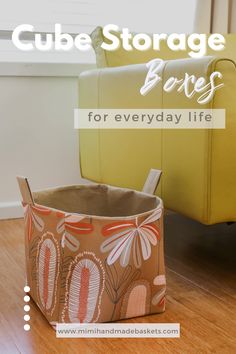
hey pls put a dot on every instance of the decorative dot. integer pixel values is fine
(26, 317)
(26, 327)
(26, 298)
(26, 308)
(26, 289)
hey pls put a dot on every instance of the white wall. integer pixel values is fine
(37, 138)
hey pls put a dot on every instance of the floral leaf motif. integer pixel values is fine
(159, 298)
(137, 254)
(40, 209)
(79, 228)
(156, 215)
(32, 218)
(37, 221)
(125, 256)
(84, 287)
(48, 256)
(126, 237)
(116, 284)
(70, 241)
(120, 248)
(151, 232)
(69, 225)
(119, 225)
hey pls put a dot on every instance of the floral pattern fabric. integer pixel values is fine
(130, 237)
(87, 268)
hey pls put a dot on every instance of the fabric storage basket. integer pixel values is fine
(94, 253)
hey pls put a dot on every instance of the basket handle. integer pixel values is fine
(152, 181)
(25, 190)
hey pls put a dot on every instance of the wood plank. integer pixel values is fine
(203, 254)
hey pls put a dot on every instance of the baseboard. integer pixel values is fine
(11, 210)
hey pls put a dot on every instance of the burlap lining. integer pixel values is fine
(100, 200)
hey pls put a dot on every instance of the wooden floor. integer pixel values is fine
(201, 296)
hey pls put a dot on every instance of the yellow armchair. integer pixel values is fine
(199, 166)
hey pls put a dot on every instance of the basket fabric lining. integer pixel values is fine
(100, 200)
